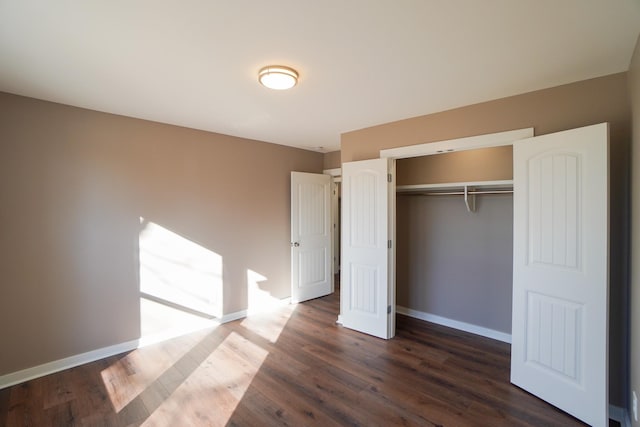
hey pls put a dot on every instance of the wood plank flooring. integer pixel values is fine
(295, 367)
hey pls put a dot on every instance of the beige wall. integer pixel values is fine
(550, 110)
(565, 107)
(634, 85)
(332, 160)
(486, 164)
(73, 186)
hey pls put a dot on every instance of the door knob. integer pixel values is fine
(295, 244)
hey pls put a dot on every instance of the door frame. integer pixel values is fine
(298, 292)
(497, 139)
(336, 180)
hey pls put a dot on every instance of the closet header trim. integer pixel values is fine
(460, 144)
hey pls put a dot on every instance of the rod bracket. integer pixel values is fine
(469, 199)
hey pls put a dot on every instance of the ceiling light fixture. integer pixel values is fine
(278, 77)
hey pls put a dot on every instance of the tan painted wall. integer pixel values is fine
(486, 164)
(565, 107)
(332, 160)
(73, 184)
(550, 110)
(634, 359)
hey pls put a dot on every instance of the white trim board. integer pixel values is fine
(455, 324)
(48, 368)
(233, 316)
(93, 355)
(460, 144)
(333, 172)
(66, 363)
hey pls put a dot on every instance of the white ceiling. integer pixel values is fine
(194, 63)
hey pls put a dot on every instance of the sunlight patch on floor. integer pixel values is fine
(269, 325)
(127, 378)
(180, 292)
(210, 395)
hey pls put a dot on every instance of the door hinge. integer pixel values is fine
(388, 309)
(389, 244)
(388, 177)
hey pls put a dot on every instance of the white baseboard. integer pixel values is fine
(176, 332)
(272, 306)
(91, 356)
(66, 363)
(455, 324)
(230, 317)
(285, 301)
(620, 415)
(269, 307)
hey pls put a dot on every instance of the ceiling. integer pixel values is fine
(194, 63)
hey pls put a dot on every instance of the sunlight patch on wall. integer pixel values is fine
(179, 273)
(261, 301)
(160, 322)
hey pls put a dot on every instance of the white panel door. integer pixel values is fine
(367, 291)
(560, 271)
(311, 257)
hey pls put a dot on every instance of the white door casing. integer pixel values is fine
(311, 230)
(367, 295)
(560, 271)
(335, 219)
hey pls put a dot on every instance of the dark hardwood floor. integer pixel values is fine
(295, 367)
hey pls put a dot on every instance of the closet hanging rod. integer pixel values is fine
(454, 193)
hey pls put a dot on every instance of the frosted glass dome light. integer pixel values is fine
(278, 77)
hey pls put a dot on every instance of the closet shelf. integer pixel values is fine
(467, 189)
(452, 186)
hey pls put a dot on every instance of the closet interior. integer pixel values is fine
(454, 239)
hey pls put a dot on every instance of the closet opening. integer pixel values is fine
(454, 232)
(454, 240)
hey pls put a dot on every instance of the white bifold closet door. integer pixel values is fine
(367, 285)
(560, 271)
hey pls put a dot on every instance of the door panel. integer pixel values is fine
(366, 285)
(554, 185)
(311, 256)
(560, 272)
